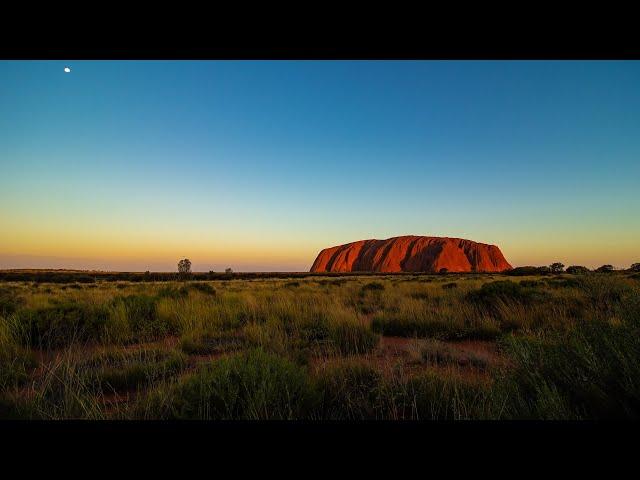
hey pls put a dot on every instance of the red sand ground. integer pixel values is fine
(411, 254)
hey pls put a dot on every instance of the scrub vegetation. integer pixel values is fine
(529, 345)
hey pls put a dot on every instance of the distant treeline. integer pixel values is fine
(91, 277)
(62, 276)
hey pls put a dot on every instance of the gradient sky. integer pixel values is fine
(131, 165)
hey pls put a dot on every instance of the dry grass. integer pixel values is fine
(108, 349)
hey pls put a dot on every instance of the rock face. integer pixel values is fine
(412, 254)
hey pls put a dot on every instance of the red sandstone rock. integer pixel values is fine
(411, 254)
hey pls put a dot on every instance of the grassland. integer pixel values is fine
(399, 347)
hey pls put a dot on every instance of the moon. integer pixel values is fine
(67, 69)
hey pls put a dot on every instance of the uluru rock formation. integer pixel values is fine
(412, 253)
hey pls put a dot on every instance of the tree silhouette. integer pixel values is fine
(577, 269)
(635, 267)
(605, 268)
(557, 267)
(184, 267)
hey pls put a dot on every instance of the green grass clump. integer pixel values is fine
(127, 370)
(253, 386)
(202, 287)
(436, 396)
(592, 372)
(435, 326)
(139, 317)
(16, 363)
(492, 293)
(352, 338)
(347, 391)
(197, 343)
(9, 301)
(62, 324)
(172, 291)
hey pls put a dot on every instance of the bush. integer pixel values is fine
(451, 285)
(373, 286)
(253, 386)
(504, 290)
(347, 391)
(433, 396)
(203, 287)
(121, 371)
(556, 267)
(591, 373)
(15, 365)
(577, 270)
(171, 291)
(529, 270)
(211, 343)
(62, 325)
(435, 327)
(142, 317)
(9, 302)
(605, 269)
(350, 338)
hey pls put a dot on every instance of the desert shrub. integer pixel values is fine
(205, 288)
(528, 271)
(606, 294)
(577, 269)
(563, 282)
(292, 284)
(62, 324)
(370, 298)
(349, 337)
(440, 327)
(348, 390)
(435, 396)
(126, 370)
(9, 301)
(592, 372)
(492, 294)
(172, 291)
(450, 285)
(605, 269)
(142, 317)
(15, 365)
(253, 386)
(373, 286)
(197, 343)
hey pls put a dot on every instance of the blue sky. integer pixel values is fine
(259, 165)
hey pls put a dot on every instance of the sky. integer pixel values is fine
(258, 165)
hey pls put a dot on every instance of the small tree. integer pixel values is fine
(605, 268)
(635, 267)
(184, 267)
(556, 267)
(228, 270)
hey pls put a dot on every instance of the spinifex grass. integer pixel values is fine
(312, 347)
